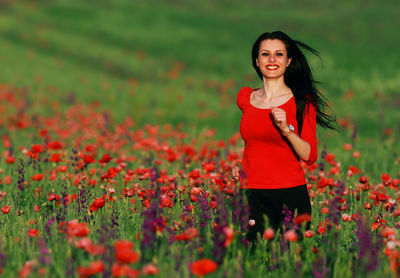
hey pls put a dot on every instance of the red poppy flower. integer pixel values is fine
(10, 159)
(55, 145)
(229, 234)
(322, 228)
(37, 148)
(55, 157)
(269, 234)
(53, 197)
(309, 233)
(5, 209)
(124, 252)
(94, 268)
(123, 270)
(305, 217)
(150, 269)
(88, 159)
(37, 177)
(75, 229)
(106, 158)
(32, 233)
(97, 203)
(203, 267)
(290, 235)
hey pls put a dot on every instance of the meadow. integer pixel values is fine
(119, 128)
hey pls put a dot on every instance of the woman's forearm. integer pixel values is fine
(301, 147)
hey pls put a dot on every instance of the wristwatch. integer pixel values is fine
(287, 133)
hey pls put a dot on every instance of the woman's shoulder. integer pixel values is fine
(242, 96)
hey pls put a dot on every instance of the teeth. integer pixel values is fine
(272, 67)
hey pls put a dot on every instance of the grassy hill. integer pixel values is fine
(184, 61)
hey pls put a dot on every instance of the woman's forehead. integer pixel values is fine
(272, 45)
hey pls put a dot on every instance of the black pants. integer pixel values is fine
(270, 202)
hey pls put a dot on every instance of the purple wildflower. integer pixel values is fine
(106, 236)
(354, 133)
(320, 270)
(205, 212)
(21, 178)
(220, 220)
(367, 252)
(152, 219)
(47, 226)
(186, 215)
(44, 257)
(334, 206)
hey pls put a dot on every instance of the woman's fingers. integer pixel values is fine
(235, 173)
(279, 116)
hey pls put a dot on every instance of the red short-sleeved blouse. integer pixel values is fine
(269, 161)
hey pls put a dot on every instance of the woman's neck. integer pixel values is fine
(273, 88)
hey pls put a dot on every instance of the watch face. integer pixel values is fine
(291, 127)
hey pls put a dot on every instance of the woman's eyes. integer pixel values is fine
(267, 54)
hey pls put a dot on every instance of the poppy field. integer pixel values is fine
(82, 195)
(119, 129)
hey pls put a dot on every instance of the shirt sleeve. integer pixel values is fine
(240, 99)
(309, 131)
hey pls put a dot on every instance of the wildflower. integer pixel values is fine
(229, 233)
(37, 177)
(94, 268)
(305, 217)
(56, 145)
(322, 228)
(252, 222)
(203, 267)
(150, 269)
(10, 159)
(26, 269)
(346, 217)
(32, 233)
(97, 203)
(55, 157)
(368, 205)
(121, 270)
(75, 229)
(205, 213)
(124, 252)
(269, 234)
(6, 209)
(309, 233)
(290, 235)
(88, 159)
(356, 154)
(106, 158)
(36, 148)
(188, 234)
(324, 210)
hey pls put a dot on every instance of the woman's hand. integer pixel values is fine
(235, 173)
(279, 118)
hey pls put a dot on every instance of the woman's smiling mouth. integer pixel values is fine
(272, 67)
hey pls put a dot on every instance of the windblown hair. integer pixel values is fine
(298, 78)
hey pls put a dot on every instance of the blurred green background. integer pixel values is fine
(183, 62)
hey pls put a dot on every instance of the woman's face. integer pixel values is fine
(272, 58)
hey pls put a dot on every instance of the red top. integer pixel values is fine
(269, 161)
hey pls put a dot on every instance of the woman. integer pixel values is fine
(278, 127)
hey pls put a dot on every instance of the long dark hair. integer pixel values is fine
(298, 78)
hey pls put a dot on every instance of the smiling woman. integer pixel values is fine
(278, 127)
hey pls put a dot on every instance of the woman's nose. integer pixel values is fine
(271, 58)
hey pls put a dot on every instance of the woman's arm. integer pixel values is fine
(301, 147)
(305, 146)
